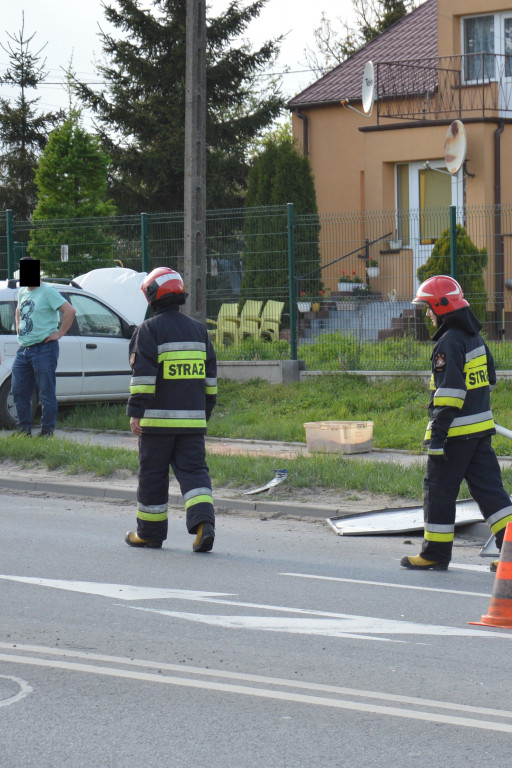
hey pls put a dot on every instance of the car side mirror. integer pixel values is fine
(131, 330)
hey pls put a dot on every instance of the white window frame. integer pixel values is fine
(499, 43)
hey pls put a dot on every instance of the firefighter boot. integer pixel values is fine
(494, 566)
(418, 563)
(205, 537)
(133, 540)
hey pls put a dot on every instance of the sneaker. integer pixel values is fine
(204, 538)
(133, 540)
(418, 563)
(494, 566)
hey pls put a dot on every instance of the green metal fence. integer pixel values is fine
(334, 289)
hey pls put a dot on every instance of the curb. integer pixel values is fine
(275, 509)
(123, 495)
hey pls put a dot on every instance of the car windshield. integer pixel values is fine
(7, 320)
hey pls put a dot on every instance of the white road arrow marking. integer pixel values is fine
(345, 626)
(324, 622)
(119, 591)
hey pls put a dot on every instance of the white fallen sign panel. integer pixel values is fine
(403, 520)
(280, 475)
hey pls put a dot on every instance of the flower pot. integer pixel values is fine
(395, 245)
(346, 287)
(303, 306)
(347, 306)
(372, 271)
(315, 306)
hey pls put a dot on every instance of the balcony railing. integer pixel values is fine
(449, 87)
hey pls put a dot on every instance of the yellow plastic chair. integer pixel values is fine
(250, 319)
(226, 324)
(271, 320)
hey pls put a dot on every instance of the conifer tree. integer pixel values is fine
(23, 132)
(280, 174)
(471, 263)
(140, 113)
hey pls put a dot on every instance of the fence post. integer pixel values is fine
(10, 243)
(144, 235)
(292, 286)
(453, 242)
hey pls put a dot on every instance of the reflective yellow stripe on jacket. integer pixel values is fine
(142, 384)
(467, 425)
(165, 418)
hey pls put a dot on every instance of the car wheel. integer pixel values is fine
(8, 415)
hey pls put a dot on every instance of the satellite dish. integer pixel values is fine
(455, 146)
(368, 95)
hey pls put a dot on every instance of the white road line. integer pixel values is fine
(248, 678)
(24, 690)
(387, 584)
(279, 695)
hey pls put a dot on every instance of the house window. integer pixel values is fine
(478, 40)
(402, 204)
(435, 200)
(507, 31)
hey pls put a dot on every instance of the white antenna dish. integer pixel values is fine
(455, 147)
(368, 95)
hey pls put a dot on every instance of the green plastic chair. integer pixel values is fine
(270, 322)
(250, 319)
(226, 325)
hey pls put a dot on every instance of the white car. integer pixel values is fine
(93, 355)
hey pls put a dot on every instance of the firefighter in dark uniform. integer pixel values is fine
(461, 423)
(172, 394)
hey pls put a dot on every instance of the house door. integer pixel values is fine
(432, 190)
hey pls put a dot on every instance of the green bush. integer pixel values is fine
(471, 263)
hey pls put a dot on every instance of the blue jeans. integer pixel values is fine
(35, 367)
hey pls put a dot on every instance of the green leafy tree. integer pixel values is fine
(471, 263)
(280, 174)
(23, 132)
(71, 180)
(140, 114)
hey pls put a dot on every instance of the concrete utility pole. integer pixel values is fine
(195, 161)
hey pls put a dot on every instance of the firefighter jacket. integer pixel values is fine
(463, 375)
(174, 374)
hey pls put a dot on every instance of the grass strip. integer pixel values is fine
(323, 472)
(256, 410)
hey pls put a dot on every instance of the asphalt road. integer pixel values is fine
(287, 646)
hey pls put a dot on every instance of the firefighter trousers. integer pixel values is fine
(475, 461)
(186, 454)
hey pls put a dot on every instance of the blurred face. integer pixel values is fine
(432, 317)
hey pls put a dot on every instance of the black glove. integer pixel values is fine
(436, 450)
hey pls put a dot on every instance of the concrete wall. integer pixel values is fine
(273, 371)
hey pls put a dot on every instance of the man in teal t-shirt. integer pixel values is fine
(38, 329)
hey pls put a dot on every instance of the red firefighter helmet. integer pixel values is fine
(161, 282)
(442, 294)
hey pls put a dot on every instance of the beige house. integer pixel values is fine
(447, 60)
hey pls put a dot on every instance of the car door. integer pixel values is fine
(69, 373)
(104, 347)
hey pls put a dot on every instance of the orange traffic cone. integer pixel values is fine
(500, 608)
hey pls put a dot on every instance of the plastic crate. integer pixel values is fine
(339, 436)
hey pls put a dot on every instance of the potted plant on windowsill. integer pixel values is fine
(372, 270)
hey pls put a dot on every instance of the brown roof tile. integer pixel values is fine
(413, 37)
